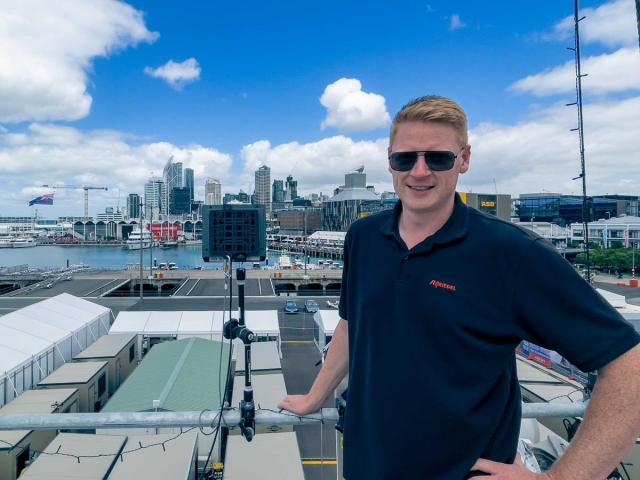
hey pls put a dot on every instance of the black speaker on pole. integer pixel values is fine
(237, 231)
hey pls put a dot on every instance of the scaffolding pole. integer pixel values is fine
(60, 421)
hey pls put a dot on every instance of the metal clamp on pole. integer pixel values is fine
(237, 329)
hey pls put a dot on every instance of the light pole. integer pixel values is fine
(633, 258)
(141, 273)
(305, 242)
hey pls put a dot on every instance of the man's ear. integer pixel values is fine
(466, 157)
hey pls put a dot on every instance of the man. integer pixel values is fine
(435, 298)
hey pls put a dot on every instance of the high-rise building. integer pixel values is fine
(263, 188)
(277, 198)
(189, 183)
(180, 201)
(172, 176)
(292, 188)
(133, 206)
(154, 197)
(212, 192)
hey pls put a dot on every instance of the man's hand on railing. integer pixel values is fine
(299, 404)
(505, 471)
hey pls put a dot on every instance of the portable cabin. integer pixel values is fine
(265, 358)
(90, 378)
(184, 375)
(135, 456)
(17, 446)
(268, 390)
(119, 351)
(267, 456)
(324, 326)
(37, 339)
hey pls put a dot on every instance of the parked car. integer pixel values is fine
(311, 306)
(291, 307)
(332, 304)
(172, 266)
(49, 285)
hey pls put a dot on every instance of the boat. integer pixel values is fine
(23, 242)
(284, 262)
(134, 243)
(5, 242)
(169, 244)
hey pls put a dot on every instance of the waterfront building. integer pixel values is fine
(112, 230)
(154, 198)
(297, 221)
(623, 231)
(133, 205)
(189, 182)
(493, 204)
(180, 201)
(263, 188)
(109, 215)
(567, 209)
(557, 235)
(344, 208)
(212, 192)
(278, 196)
(16, 225)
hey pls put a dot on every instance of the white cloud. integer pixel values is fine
(456, 23)
(46, 50)
(177, 75)
(53, 154)
(351, 109)
(612, 24)
(541, 153)
(318, 166)
(607, 73)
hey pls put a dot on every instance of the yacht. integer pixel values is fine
(23, 242)
(5, 242)
(133, 242)
(284, 262)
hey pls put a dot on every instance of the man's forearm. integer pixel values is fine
(335, 366)
(611, 423)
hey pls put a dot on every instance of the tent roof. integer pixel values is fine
(31, 330)
(190, 322)
(329, 320)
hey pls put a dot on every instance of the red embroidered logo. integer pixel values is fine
(439, 284)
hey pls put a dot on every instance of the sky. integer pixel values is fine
(103, 92)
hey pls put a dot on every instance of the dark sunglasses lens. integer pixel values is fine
(403, 161)
(440, 161)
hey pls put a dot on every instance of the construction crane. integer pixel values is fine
(86, 189)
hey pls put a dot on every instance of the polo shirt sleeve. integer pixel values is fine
(555, 308)
(342, 305)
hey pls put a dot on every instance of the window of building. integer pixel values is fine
(102, 384)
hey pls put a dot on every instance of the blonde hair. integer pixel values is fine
(433, 108)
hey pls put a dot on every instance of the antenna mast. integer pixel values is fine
(580, 129)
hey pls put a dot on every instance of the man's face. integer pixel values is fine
(420, 189)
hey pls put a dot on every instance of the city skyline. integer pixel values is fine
(108, 115)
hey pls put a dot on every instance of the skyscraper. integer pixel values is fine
(278, 195)
(155, 195)
(292, 188)
(188, 182)
(212, 192)
(172, 176)
(133, 206)
(263, 188)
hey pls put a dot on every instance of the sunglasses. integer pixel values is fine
(437, 160)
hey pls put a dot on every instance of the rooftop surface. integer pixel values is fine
(73, 373)
(107, 346)
(183, 375)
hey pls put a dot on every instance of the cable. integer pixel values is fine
(566, 395)
(226, 383)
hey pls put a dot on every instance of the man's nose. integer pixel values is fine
(420, 169)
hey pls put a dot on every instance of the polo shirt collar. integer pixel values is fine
(454, 228)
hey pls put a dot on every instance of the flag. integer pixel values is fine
(42, 200)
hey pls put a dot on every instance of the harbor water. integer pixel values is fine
(116, 257)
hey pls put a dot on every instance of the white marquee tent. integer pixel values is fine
(37, 339)
(162, 325)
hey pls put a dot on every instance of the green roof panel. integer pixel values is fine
(183, 374)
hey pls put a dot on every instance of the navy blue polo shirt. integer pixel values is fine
(432, 334)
